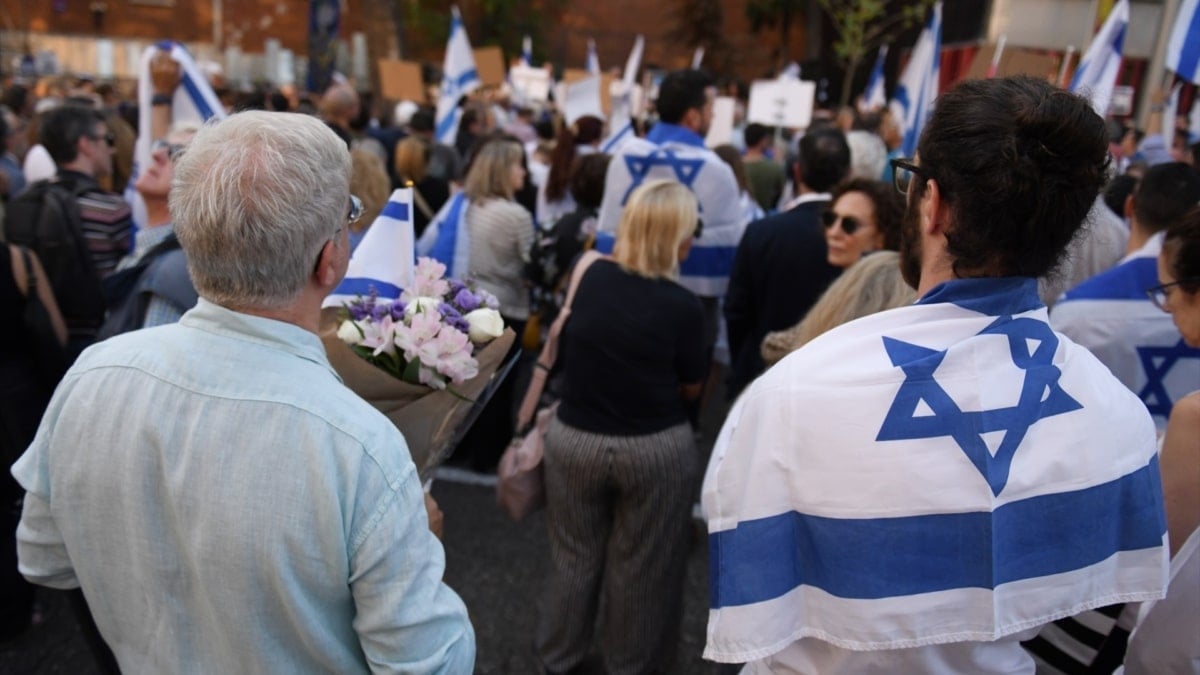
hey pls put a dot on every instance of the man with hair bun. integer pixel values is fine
(919, 490)
(224, 502)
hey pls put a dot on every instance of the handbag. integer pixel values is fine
(521, 487)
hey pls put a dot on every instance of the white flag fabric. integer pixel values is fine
(459, 78)
(697, 58)
(1097, 72)
(875, 96)
(1169, 113)
(193, 101)
(593, 61)
(918, 86)
(527, 51)
(950, 471)
(447, 239)
(384, 258)
(621, 121)
(1183, 47)
(672, 152)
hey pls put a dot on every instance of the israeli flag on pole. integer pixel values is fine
(193, 101)
(384, 258)
(593, 61)
(918, 86)
(1183, 47)
(874, 97)
(459, 78)
(447, 239)
(950, 471)
(527, 51)
(1097, 72)
(621, 121)
(1169, 113)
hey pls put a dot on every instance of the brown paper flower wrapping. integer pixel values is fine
(427, 417)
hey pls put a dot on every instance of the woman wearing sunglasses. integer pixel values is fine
(865, 217)
(1164, 640)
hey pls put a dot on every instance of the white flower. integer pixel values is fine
(421, 304)
(349, 333)
(486, 325)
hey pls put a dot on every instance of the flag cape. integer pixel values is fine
(384, 258)
(1111, 316)
(1097, 72)
(951, 471)
(875, 97)
(674, 153)
(446, 238)
(918, 86)
(459, 78)
(193, 101)
(1183, 47)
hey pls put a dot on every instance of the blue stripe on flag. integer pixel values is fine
(466, 78)
(1189, 55)
(197, 97)
(763, 559)
(363, 286)
(708, 261)
(395, 210)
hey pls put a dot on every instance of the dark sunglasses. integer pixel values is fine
(172, 149)
(109, 138)
(850, 224)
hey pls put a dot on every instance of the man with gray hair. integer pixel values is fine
(223, 501)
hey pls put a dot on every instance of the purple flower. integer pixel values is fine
(456, 287)
(397, 311)
(358, 311)
(453, 317)
(381, 310)
(466, 300)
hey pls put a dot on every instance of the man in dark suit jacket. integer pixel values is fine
(780, 268)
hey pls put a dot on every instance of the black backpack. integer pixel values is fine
(127, 300)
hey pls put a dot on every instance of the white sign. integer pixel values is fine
(105, 58)
(720, 131)
(1121, 103)
(582, 98)
(532, 83)
(287, 67)
(782, 103)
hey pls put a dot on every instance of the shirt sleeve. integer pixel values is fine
(407, 620)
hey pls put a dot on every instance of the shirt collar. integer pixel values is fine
(808, 197)
(213, 318)
(147, 238)
(993, 296)
(663, 133)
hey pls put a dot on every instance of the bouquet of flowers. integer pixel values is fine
(425, 359)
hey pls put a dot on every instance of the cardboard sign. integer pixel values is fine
(572, 75)
(532, 83)
(401, 80)
(489, 63)
(1014, 61)
(720, 131)
(782, 103)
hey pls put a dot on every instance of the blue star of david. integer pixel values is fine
(1157, 362)
(1032, 345)
(639, 166)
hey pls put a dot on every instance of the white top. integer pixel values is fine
(38, 164)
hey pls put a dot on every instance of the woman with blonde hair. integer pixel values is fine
(871, 285)
(621, 463)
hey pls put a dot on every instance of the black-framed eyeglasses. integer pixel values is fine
(109, 138)
(1159, 294)
(172, 149)
(355, 210)
(902, 173)
(850, 224)
(699, 229)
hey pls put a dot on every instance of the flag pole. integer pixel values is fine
(1159, 60)
(1066, 63)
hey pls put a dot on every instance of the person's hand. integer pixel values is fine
(165, 74)
(435, 515)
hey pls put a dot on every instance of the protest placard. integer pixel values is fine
(782, 103)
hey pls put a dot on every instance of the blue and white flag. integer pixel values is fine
(459, 78)
(384, 258)
(949, 471)
(875, 97)
(620, 123)
(1169, 113)
(918, 86)
(1111, 316)
(593, 61)
(447, 239)
(527, 51)
(675, 153)
(1183, 47)
(1097, 72)
(193, 101)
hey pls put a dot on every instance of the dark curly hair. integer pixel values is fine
(889, 209)
(1182, 248)
(1019, 163)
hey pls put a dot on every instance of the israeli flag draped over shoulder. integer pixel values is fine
(675, 153)
(384, 258)
(1097, 73)
(459, 78)
(918, 86)
(949, 471)
(193, 101)
(447, 239)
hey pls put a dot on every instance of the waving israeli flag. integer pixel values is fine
(874, 97)
(675, 153)
(1183, 47)
(527, 51)
(193, 101)
(459, 78)
(918, 86)
(923, 476)
(593, 61)
(1097, 72)
(621, 121)
(447, 239)
(384, 259)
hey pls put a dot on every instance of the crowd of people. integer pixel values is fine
(962, 420)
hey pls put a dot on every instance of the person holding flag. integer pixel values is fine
(919, 490)
(459, 78)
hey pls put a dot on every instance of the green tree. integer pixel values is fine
(775, 14)
(862, 26)
(701, 23)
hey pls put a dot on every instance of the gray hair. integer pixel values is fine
(254, 199)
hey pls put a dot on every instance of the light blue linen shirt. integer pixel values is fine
(227, 505)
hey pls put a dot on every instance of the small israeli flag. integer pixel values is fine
(527, 51)
(621, 120)
(447, 239)
(459, 78)
(918, 85)
(593, 61)
(1097, 73)
(384, 259)
(875, 97)
(1183, 47)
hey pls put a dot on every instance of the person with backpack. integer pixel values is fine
(79, 231)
